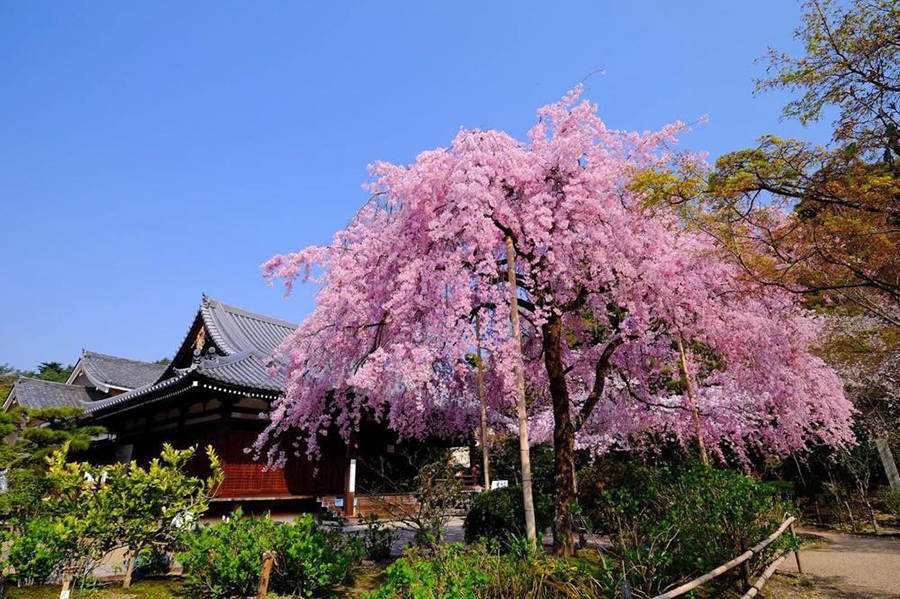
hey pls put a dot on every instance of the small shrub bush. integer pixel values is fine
(481, 570)
(890, 501)
(377, 538)
(499, 514)
(225, 560)
(37, 554)
(670, 525)
(152, 561)
(310, 557)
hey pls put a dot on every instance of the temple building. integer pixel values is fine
(216, 391)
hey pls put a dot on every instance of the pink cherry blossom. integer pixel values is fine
(399, 287)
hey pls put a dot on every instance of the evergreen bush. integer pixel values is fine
(225, 560)
(669, 525)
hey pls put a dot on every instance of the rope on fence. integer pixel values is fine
(689, 586)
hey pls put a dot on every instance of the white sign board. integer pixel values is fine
(499, 484)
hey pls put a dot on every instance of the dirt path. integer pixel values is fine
(851, 567)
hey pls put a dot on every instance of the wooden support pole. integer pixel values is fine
(524, 448)
(695, 411)
(268, 562)
(479, 373)
(797, 552)
(745, 567)
(66, 591)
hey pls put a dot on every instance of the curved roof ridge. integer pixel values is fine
(95, 406)
(102, 355)
(217, 361)
(44, 381)
(220, 334)
(105, 371)
(234, 329)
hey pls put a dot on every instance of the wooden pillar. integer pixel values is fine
(350, 479)
(221, 445)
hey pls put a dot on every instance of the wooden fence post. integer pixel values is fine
(746, 565)
(268, 561)
(66, 591)
(796, 551)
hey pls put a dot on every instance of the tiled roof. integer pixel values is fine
(110, 371)
(246, 369)
(236, 330)
(37, 393)
(165, 387)
(246, 339)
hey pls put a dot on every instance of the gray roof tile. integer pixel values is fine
(119, 372)
(246, 369)
(37, 394)
(235, 330)
(246, 338)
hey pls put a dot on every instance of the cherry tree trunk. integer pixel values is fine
(524, 448)
(563, 439)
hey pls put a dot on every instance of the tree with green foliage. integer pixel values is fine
(97, 509)
(33, 435)
(810, 219)
(53, 371)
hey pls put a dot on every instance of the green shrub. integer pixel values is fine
(225, 560)
(151, 561)
(670, 525)
(481, 570)
(377, 538)
(890, 500)
(36, 554)
(310, 557)
(500, 514)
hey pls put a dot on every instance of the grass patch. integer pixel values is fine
(144, 589)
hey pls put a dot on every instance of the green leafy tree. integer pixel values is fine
(32, 436)
(8, 376)
(810, 219)
(54, 371)
(97, 509)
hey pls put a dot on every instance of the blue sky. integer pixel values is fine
(152, 151)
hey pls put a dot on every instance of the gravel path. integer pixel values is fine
(851, 566)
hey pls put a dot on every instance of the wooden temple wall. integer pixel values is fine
(231, 428)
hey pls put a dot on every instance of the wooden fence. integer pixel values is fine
(743, 558)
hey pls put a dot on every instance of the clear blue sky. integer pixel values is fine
(151, 151)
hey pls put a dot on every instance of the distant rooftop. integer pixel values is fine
(37, 394)
(106, 371)
(239, 346)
